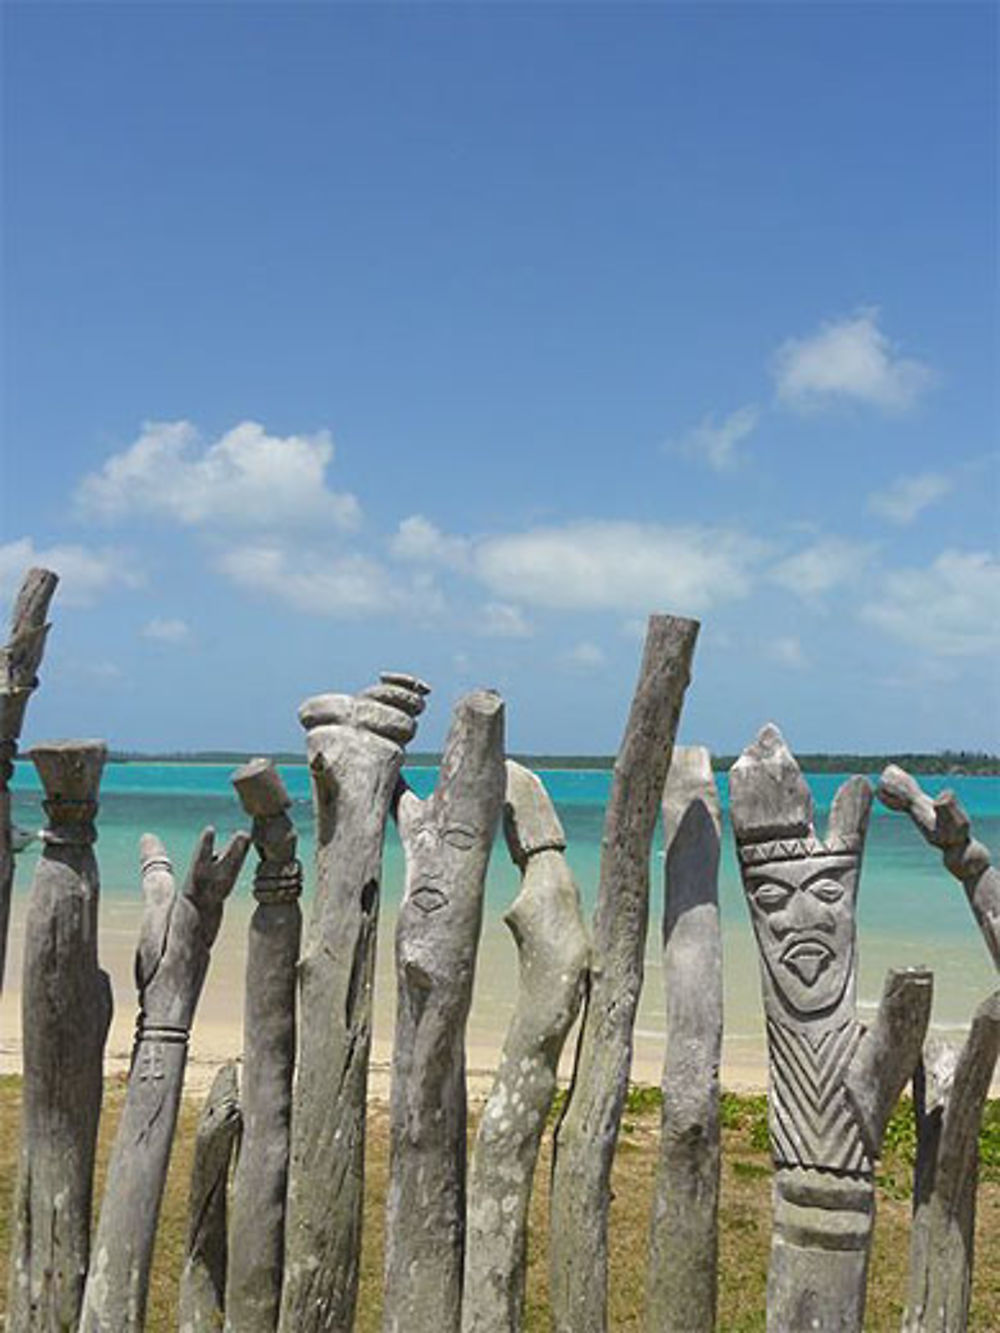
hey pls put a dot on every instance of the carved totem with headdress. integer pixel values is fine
(801, 890)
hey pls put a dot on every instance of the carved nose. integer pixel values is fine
(804, 912)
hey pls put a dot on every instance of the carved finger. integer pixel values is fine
(158, 889)
(407, 808)
(396, 696)
(530, 822)
(231, 861)
(407, 682)
(324, 710)
(851, 809)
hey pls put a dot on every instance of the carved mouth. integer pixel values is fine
(428, 899)
(807, 959)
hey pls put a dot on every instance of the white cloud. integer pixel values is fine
(314, 582)
(717, 445)
(949, 609)
(619, 566)
(848, 360)
(166, 630)
(84, 572)
(821, 567)
(584, 656)
(909, 496)
(502, 620)
(246, 478)
(418, 540)
(786, 650)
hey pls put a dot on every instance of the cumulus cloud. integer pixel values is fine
(502, 620)
(245, 478)
(949, 609)
(166, 630)
(850, 360)
(85, 573)
(314, 582)
(418, 540)
(619, 566)
(786, 650)
(907, 497)
(824, 565)
(717, 444)
(584, 656)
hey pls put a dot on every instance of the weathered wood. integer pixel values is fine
(950, 1092)
(683, 1246)
(355, 750)
(945, 825)
(257, 1230)
(831, 1085)
(447, 840)
(587, 1133)
(175, 940)
(65, 1012)
(553, 957)
(20, 659)
(203, 1277)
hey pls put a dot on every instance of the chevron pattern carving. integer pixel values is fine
(811, 1120)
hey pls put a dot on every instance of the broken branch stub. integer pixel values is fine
(587, 1133)
(257, 1231)
(683, 1245)
(203, 1277)
(20, 659)
(175, 940)
(832, 1085)
(553, 955)
(65, 1012)
(950, 1091)
(355, 751)
(945, 825)
(447, 840)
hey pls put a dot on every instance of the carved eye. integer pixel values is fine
(827, 891)
(459, 836)
(428, 899)
(771, 897)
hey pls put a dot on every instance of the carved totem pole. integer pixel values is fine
(832, 1085)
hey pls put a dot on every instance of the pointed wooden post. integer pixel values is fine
(66, 1009)
(257, 1235)
(355, 748)
(447, 841)
(19, 662)
(682, 1278)
(175, 940)
(588, 1131)
(553, 956)
(832, 1084)
(203, 1277)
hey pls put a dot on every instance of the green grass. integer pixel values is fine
(744, 1229)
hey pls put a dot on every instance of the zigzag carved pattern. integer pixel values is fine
(811, 1120)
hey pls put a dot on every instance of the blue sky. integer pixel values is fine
(458, 338)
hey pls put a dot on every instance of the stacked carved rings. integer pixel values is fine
(167, 1033)
(280, 883)
(71, 821)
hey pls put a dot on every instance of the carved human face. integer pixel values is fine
(803, 917)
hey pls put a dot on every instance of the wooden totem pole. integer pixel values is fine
(832, 1084)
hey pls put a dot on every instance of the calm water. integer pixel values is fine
(911, 911)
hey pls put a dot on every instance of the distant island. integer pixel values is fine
(967, 763)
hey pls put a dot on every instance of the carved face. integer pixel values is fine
(803, 917)
(431, 868)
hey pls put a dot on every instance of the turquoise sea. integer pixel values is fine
(910, 910)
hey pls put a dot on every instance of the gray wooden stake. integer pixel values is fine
(65, 1012)
(203, 1277)
(684, 1241)
(20, 659)
(257, 1232)
(355, 749)
(588, 1131)
(553, 957)
(832, 1084)
(950, 1092)
(175, 940)
(945, 825)
(447, 840)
